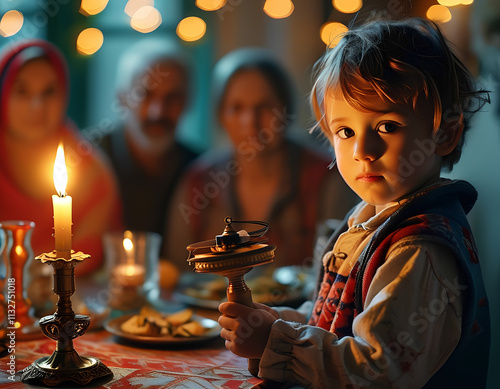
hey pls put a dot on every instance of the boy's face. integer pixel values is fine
(383, 154)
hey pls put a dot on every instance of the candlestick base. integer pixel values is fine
(65, 367)
(63, 326)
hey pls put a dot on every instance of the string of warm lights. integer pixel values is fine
(145, 18)
(92, 7)
(347, 6)
(11, 23)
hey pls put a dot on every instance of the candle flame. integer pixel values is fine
(127, 244)
(60, 172)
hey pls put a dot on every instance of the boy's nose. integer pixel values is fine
(366, 147)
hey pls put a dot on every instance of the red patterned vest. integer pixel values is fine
(341, 298)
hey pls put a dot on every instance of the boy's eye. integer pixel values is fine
(345, 133)
(388, 127)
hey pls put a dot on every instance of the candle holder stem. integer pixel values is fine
(237, 289)
(63, 326)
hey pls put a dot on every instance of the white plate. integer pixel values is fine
(213, 330)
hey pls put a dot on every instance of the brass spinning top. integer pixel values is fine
(233, 254)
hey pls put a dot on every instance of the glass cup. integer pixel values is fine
(131, 260)
(16, 257)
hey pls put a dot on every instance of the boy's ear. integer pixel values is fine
(448, 136)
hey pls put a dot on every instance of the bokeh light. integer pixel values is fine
(278, 9)
(191, 28)
(89, 41)
(331, 33)
(11, 23)
(133, 6)
(449, 3)
(347, 6)
(439, 14)
(210, 5)
(146, 19)
(92, 7)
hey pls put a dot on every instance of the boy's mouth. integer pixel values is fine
(369, 177)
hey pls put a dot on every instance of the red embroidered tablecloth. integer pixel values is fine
(205, 365)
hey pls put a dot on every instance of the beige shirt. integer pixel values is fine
(410, 325)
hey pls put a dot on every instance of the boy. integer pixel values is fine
(402, 302)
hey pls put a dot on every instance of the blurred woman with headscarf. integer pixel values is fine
(33, 101)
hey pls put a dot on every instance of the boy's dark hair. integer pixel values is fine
(399, 61)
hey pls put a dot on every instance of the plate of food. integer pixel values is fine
(150, 326)
(284, 286)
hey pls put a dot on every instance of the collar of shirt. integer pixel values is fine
(364, 215)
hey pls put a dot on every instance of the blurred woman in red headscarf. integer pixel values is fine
(33, 101)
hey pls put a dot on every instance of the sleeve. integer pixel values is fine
(299, 315)
(409, 327)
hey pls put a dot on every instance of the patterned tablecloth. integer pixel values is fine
(202, 365)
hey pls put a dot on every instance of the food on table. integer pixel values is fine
(264, 290)
(193, 328)
(150, 322)
(211, 290)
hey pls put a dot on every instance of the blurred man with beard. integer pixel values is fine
(152, 91)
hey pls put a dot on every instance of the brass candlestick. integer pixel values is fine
(63, 326)
(232, 255)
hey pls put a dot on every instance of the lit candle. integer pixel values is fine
(129, 274)
(62, 207)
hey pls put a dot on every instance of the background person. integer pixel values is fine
(153, 85)
(33, 101)
(265, 173)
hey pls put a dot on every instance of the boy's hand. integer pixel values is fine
(246, 329)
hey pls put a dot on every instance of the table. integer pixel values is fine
(205, 365)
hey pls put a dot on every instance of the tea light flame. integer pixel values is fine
(127, 244)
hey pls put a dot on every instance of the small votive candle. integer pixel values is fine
(129, 275)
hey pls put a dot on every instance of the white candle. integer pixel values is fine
(62, 207)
